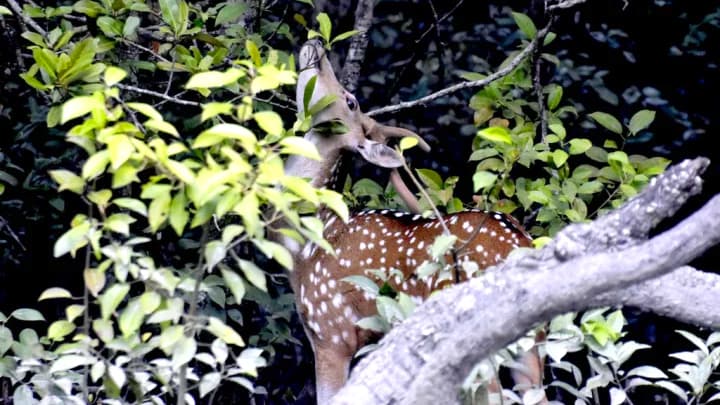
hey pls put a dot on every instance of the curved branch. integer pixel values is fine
(506, 70)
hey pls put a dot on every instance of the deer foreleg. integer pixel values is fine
(331, 372)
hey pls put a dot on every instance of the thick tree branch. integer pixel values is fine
(504, 71)
(424, 359)
(358, 45)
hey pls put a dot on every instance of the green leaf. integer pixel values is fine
(295, 145)
(162, 126)
(146, 110)
(215, 134)
(234, 282)
(27, 314)
(214, 109)
(59, 329)
(111, 298)
(559, 157)
(344, 35)
(73, 239)
(73, 311)
(209, 382)
(119, 223)
(6, 339)
(579, 145)
(131, 204)
(408, 142)
(77, 107)
(325, 26)
(496, 134)
(525, 24)
(590, 187)
(275, 251)
(254, 52)
(94, 280)
(321, 104)
(69, 362)
(179, 215)
(641, 120)
(253, 273)
(608, 121)
(158, 211)
(120, 149)
(131, 318)
(302, 188)
(208, 80)
(179, 170)
(5, 11)
(224, 332)
(53, 293)
(483, 179)
(110, 26)
(308, 92)
(441, 245)
(130, 28)
(558, 129)
(170, 10)
(183, 352)
(363, 283)
(215, 252)
(113, 75)
(68, 180)
(96, 164)
(270, 122)
(231, 12)
(554, 97)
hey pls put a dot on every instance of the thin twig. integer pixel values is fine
(148, 50)
(515, 62)
(4, 224)
(565, 4)
(158, 95)
(537, 84)
(199, 273)
(172, 74)
(29, 21)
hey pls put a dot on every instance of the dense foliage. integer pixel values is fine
(145, 164)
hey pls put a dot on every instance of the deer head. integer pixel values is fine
(342, 125)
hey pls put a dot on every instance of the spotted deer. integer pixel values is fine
(376, 239)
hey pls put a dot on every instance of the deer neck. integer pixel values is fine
(325, 173)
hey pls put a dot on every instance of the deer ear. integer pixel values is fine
(380, 154)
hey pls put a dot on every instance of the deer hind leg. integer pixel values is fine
(331, 372)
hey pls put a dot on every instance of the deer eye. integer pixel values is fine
(351, 103)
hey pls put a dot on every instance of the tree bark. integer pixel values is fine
(607, 262)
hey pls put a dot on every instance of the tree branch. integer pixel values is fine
(514, 63)
(597, 264)
(358, 45)
(158, 95)
(27, 20)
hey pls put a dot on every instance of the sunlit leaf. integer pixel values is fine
(111, 298)
(53, 293)
(224, 332)
(496, 134)
(59, 329)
